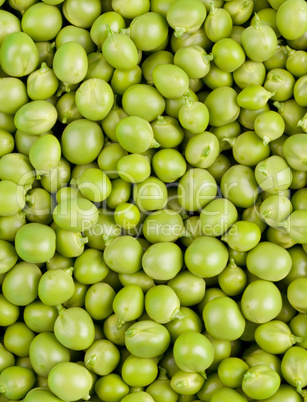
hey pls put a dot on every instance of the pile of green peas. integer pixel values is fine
(153, 200)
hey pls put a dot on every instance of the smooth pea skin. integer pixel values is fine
(70, 381)
(42, 22)
(36, 117)
(19, 55)
(243, 236)
(9, 315)
(162, 261)
(129, 260)
(228, 394)
(260, 382)
(35, 243)
(186, 383)
(294, 151)
(143, 101)
(150, 195)
(99, 300)
(182, 284)
(222, 106)
(196, 189)
(228, 55)
(13, 94)
(269, 261)
(217, 217)
(102, 357)
(138, 397)
(45, 153)
(16, 382)
(133, 168)
(231, 371)
(120, 51)
(285, 393)
(94, 99)
(135, 134)
(206, 257)
(41, 395)
(56, 287)
(261, 301)
(170, 80)
(139, 372)
(128, 303)
(39, 317)
(74, 328)
(112, 387)
(70, 63)
(147, 339)
(46, 352)
(223, 319)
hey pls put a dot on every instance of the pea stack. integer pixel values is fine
(153, 200)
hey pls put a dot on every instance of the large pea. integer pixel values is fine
(162, 304)
(19, 55)
(102, 357)
(70, 381)
(99, 300)
(94, 99)
(99, 31)
(42, 83)
(9, 315)
(70, 63)
(150, 195)
(120, 51)
(8, 256)
(6, 141)
(74, 328)
(12, 198)
(170, 80)
(222, 106)
(147, 339)
(36, 117)
(17, 168)
(196, 189)
(128, 303)
(35, 242)
(45, 352)
(41, 394)
(13, 94)
(77, 214)
(45, 153)
(129, 261)
(20, 285)
(16, 382)
(90, 267)
(39, 317)
(56, 286)
(94, 185)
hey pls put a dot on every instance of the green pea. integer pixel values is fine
(281, 82)
(7, 142)
(240, 11)
(56, 286)
(161, 388)
(99, 32)
(7, 122)
(9, 24)
(293, 368)
(7, 358)
(298, 200)
(296, 62)
(162, 304)
(19, 55)
(210, 387)
(56, 178)
(185, 18)
(69, 244)
(11, 103)
(150, 195)
(232, 279)
(298, 328)
(18, 338)
(20, 285)
(273, 174)
(147, 339)
(67, 108)
(143, 101)
(182, 283)
(42, 22)
(36, 117)
(203, 250)
(129, 261)
(102, 357)
(35, 242)
(243, 236)
(169, 165)
(284, 15)
(120, 51)
(74, 328)
(128, 303)
(287, 311)
(127, 215)
(98, 301)
(111, 386)
(66, 58)
(98, 67)
(194, 116)
(281, 238)
(16, 382)
(293, 115)
(46, 352)
(231, 371)
(45, 153)
(275, 209)
(8, 256)
(260, 382)
(249, 150)
(72, 33)
(149, 31)
(249, 73)
(90, 267)
(253, 97)
(257, 296)
(217, 217)
(170, 80)
(133, 168)
(193, 60)
(162, 261)
(259, 41)
(222, 106)
(70, 381)
(295, 294)
(9, 314)
(275, 337)
(189, 322)
(120, 193)
(39, 317)
(285, 393)
(41, 395)
(139, 372)
(98, 90)
(186, 383)
(196, 189)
